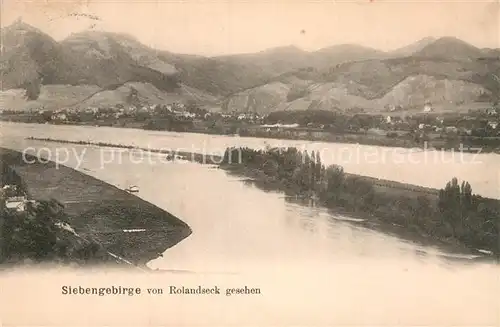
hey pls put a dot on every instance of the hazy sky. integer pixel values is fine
(223, 27)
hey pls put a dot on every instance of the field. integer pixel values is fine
(397, 188)
(100, 211)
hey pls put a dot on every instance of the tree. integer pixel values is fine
(490, 227)
(306, 172)
(318, 168)
(406, 208)
(334, 182)
(32, 89)
(270, 168)
(33, 233)
(424, 206)
(455, 203)
(466, 196)
(312, 169)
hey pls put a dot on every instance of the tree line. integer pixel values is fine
(35, 234)
(455, 214)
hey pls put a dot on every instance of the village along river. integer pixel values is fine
(312, 267)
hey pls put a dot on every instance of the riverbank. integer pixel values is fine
(130, 228)
(382, 185)
(385, 138)
(398, 139)
(386, 225)
(406, 198)
(453, 218)
(170, 155)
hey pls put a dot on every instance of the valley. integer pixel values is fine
(94, 69)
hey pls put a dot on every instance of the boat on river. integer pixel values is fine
(176, 157)
(132, 189)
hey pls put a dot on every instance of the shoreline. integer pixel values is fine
(458, 142)
(216, 160)
(452, 249)
(386, 225)
(424, 213)
(102, 212)
(185, 155)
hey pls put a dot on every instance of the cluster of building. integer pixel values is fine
(487, 120)
(13, 198)
(115, 112)
(250, 117)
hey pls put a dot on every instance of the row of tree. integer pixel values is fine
(455, 213)
(469, 217)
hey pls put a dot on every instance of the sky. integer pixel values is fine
(219, 27)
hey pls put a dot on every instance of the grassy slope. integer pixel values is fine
(101, 211)
(338, 77)
(375, 84)
(434, 74)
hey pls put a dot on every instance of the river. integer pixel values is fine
(313, 267)
(426, 168)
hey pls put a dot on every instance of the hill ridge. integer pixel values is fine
(344, 75)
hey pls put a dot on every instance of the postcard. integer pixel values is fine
(237, 163)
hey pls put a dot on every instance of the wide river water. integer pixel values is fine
(313, 267)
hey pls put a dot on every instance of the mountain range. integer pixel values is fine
(94, 68)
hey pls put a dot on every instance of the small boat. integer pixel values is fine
(132, 189)
(174, 158)
(485, 252)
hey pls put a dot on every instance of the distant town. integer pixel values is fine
(396, 127)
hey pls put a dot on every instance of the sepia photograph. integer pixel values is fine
(237, 163)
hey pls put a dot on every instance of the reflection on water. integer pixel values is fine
(426, 168)
(314, 266)
(236, 224)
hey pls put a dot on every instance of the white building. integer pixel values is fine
(493, 124)
(59, 116)
(427, 108)
(10, 187)
(184, 114)
(16, 203)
